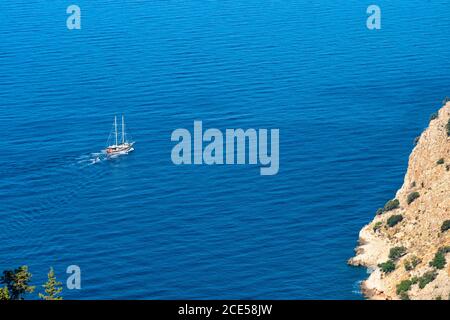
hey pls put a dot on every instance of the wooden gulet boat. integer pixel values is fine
(125, 146)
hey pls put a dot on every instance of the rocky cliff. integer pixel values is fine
(407, 245)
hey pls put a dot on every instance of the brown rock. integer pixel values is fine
(419, 231)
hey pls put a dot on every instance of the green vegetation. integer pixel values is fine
(397, 252)
(411, 263)
(412, 196)
(17, 282)
(445, 226)
(440, 161)
(448, 128)
(439, 261)
(404, 286)
(4, 294)
(394, 219)
(387, 266)
(377, 226)
(426, 278)
(391, 205)
(52, 288)
(17, 285)
(404, 295)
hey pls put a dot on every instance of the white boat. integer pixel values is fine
(125, 146)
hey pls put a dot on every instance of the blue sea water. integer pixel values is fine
(348, 102)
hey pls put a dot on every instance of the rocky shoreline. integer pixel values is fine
(406, 247)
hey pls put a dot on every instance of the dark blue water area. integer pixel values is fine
(348, 102)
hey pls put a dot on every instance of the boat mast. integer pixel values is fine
(123, 130)
(115, 127)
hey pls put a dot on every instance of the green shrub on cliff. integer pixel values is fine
(404, 296)
(404, 286)
(439, 261)
(394, 219)
(397, 252)
(440, 161)
(377, 226)
(448, 128)
(387, 266)
(426, 278)
(445, 226)
(391, 205)
(412, 196)
(411, 263)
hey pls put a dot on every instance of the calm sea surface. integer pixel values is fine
(348, 102)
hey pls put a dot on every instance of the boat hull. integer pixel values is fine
(120, 149)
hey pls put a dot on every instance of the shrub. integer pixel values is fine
(404, 286)
(4, 294)
(434, 116)
(445, 226)
(397, 252)
(411, 263)
(391, 205)
(412, 196)
(394, 219)
(414, 280)
(379, 211)
(408, 265)
(377, 226)
(448, 128)
(404, 296)
(440, 161)
(439, 261)
(387, 266)
(426, 278)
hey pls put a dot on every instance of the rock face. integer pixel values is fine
(424, 204)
